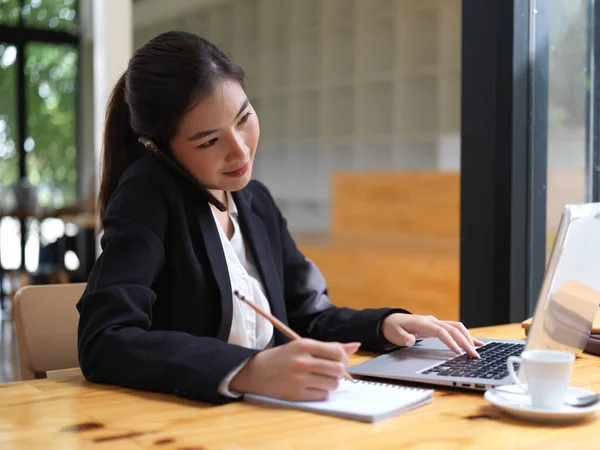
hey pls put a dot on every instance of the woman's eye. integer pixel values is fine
(207, 144)
(245, 118)
(213, 141)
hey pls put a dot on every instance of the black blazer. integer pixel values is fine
(157, 310)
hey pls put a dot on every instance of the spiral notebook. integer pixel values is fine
(363, 400)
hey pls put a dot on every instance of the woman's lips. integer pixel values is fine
(238, 173)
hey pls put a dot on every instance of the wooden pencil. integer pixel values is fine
(278, 324)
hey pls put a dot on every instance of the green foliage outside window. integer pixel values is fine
(50, 98)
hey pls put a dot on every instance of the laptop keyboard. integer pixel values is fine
(492, 364)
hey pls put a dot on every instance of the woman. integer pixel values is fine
(159, 313)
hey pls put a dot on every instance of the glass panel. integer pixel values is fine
(9, 12)
(54, 14)
(50, 73)
(566, 109)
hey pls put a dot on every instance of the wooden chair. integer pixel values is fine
(46, 323)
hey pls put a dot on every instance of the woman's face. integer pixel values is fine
(217, 138)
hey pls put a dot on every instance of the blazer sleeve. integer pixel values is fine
(115, 342)
(310, 311)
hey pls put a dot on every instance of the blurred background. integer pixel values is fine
(360, 110)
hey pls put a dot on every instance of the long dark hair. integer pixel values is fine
(163, 80)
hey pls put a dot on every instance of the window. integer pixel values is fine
(39, 52)
(530, 144)
(50, 77)
(568, 80)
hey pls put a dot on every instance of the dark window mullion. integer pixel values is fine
(22, 119)
(15, 33)
(503, 160)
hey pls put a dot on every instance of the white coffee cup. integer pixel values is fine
(547, 372)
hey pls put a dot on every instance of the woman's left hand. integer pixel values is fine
(400, 329)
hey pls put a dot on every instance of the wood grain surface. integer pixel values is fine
(71, 413)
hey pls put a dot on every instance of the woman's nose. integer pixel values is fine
(238, 149)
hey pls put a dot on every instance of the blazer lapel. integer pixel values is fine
(214, 249)
(256, 237)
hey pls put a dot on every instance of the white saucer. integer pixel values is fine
(519, 405)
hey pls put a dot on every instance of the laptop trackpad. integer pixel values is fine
(426, 353)
(405, 361)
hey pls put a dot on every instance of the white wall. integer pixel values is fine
(353, 85)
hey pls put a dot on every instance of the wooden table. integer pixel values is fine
(71, 413)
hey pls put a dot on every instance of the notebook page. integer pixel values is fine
(366, 401)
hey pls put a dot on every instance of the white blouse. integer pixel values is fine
(248, 328)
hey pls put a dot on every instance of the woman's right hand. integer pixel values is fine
(304, 369)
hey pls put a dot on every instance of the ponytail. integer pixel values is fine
(119, 145)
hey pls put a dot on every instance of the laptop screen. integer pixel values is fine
(570, 294)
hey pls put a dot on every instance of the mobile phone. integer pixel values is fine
(175, 166)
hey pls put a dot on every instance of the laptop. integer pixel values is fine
(563, 319)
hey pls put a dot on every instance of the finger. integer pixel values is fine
(307, 364)
(460, 327)
(433, 329)
(476, 342)
(409, 339)
(460, 339)
(325, 350)
(322, 382)
(326, 367)
(399, 336)
(351, 347)
(314, 395)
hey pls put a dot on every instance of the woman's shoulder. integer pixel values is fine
(147, 175)
(259, 194)
(147, 169)
(143, 189)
